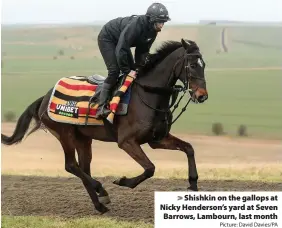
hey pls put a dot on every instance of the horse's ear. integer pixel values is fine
(185, 44)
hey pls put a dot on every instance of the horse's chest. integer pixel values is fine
(160, 129)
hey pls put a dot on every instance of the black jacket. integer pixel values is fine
(127, 32)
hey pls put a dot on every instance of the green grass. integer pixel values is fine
(252, 98)
(249, 98)
(21, 50)
(49, 222)
(245, 97)
(235, 98)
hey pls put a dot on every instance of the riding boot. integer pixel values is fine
(103, 111)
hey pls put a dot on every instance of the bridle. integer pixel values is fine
(175, 89)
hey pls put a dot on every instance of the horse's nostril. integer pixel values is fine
(202, 98)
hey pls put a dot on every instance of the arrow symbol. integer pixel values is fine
(179, 197)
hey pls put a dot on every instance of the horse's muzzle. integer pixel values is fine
(202, 98)
(199, 96)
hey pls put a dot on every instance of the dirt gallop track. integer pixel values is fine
(66, 196)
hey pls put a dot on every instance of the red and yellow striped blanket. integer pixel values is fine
(70, 100)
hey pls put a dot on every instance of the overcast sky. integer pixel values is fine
(62, 11)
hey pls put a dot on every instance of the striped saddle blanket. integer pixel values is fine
(70, 100)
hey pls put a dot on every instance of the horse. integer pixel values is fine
(149, 119)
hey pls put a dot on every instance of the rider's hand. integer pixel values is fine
(132, 73)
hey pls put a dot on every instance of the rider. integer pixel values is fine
(118, 36)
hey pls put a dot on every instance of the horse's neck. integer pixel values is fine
(162, 73)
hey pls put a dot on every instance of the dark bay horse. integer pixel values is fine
(149, 119)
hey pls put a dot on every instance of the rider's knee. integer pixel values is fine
(112, 76)
(114, 72)
(111, 81)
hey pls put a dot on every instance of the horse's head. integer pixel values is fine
(193, 75)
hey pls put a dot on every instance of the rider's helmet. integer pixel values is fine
(157, 12)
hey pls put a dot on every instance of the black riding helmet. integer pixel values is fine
(157, 12)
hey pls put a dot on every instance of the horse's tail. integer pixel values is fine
(23, 123)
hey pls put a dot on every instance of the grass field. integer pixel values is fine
(236, 96)
(244, 87)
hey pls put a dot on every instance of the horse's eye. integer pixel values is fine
(193, 65)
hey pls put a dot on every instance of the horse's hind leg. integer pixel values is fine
(173, 143)
(67, 139)
(84, 150)
(66, 135)
(135, 151)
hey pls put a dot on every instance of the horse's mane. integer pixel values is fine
(161, 53)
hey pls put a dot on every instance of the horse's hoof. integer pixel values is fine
(104, 199)
(193, 188)
(102, 209)
(116, 182)
(120, 181)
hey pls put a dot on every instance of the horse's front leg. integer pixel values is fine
(173, 143)
(134, 150)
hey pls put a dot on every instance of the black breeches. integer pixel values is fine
(107, 49)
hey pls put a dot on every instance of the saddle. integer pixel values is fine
(99, 80)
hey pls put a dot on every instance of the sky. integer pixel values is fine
(181, 11)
